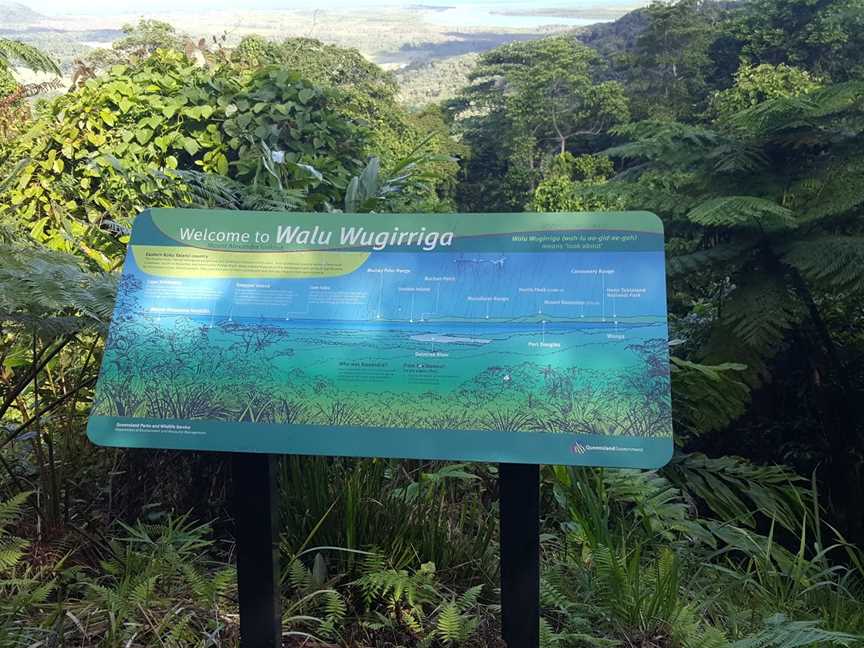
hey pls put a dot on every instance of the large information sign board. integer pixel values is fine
(527, 338)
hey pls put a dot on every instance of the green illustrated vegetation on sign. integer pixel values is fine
(537, 338)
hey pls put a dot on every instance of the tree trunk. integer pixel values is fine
(844, 475)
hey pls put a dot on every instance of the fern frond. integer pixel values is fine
(781, 632)
(837, 98)
(614, 589)
(469, 598)
(738, 157)
(207, 190)
(668, 141)
(548, 638)
(143, 590)
(181, 632)
(708, 397)
(761, 311)
(334, 611)
(49, 290)
(706, 638)
(299, 576)
(744, 212)
(778, 114)
(657, 505)
(449, 624)
(17, 53)
(832, 262)
(11, 548)
(552, 597)
(11, 551)
(637, 196)
(11, 511)
(724, 254)
(737, 490)
(832, 189)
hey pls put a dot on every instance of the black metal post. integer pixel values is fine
(519, 486)
(255, 519)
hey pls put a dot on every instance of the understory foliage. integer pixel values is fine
(740, 124)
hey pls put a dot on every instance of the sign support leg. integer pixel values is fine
(520, 554)
(255, 518)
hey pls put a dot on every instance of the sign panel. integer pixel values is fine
(530, 338)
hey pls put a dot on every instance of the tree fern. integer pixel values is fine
(754, 368)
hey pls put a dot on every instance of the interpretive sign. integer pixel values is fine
(527, 338)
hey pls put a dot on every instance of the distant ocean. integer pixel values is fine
(495, 14)
(448, 13)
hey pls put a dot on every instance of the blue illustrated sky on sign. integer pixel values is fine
(610, 287)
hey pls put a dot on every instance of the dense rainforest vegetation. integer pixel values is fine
(740, 124)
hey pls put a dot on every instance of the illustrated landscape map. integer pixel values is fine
(495, 337)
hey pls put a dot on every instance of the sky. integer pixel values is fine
(57, 7)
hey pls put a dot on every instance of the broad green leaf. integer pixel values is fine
(305, 95)
(190, 145)
(143, 135)
(96, 139)
(108, 116)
